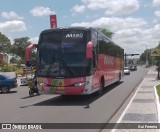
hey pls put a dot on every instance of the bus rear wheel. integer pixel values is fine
(119, 80)
(101, 87)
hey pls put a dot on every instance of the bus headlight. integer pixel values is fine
(81, 84)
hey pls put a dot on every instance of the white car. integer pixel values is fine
(126, 70)
(24, 80)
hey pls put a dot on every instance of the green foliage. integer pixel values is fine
(18, 48)
(106, 32)
(152, 59)
(13, 60)
(158, 89)
(145, 55)
(155, 59)
(158, 46)
(11, 68)
(6, 69)
(5, 43)
(33, 55)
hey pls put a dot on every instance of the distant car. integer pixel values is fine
(133, 68)
(24, 80)
(126, 70)
(7, 83)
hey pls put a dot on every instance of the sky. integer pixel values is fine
(135, 23)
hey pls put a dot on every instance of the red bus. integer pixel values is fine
(77, 61)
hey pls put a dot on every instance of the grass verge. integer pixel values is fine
(158, 89)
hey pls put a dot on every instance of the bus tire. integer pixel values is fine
(101, 86)
(119, 77)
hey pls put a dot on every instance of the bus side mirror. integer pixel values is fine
(28, 50)
(89, 48)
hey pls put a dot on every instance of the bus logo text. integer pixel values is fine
(108, 60)
(74, 35)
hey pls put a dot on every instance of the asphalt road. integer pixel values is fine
(18, 107)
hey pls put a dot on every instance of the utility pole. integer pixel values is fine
(147, 63)
(125, 59)
(158, 64)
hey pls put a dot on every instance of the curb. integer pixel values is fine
(120, 118)
(157, 102)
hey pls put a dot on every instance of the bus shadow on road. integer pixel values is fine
(10, 92)
(76, 100)
(29, 96)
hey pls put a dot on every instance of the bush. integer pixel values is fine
(6, 69)
(158, 89)
(19, 71)
(10, 68)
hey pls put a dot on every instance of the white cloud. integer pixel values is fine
(78, 9)
(113, 24)
(11, 15)
(13, 26)
(122, 7)
(127, 33)
(156, 2)
(135, 40)
(34, 40)
(157, 13)
(41, 11)
(116, 7)
(130, 33)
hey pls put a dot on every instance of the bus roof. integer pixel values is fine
(78, 28)
(66, 28)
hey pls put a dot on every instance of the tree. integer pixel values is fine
(18, 48)
(13, 60)
(152, 59)
(5, 44)
(143, 57)
(158, 46)
(106, 32)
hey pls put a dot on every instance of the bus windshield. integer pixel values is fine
(62, 53)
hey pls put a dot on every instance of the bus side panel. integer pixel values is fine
(119, 67)
(109, 68)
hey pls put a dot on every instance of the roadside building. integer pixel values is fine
(3, 58)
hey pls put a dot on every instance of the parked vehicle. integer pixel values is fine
(7, 83)
(24, 81)
(133, 68)
(28, 74)
(126, 70)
